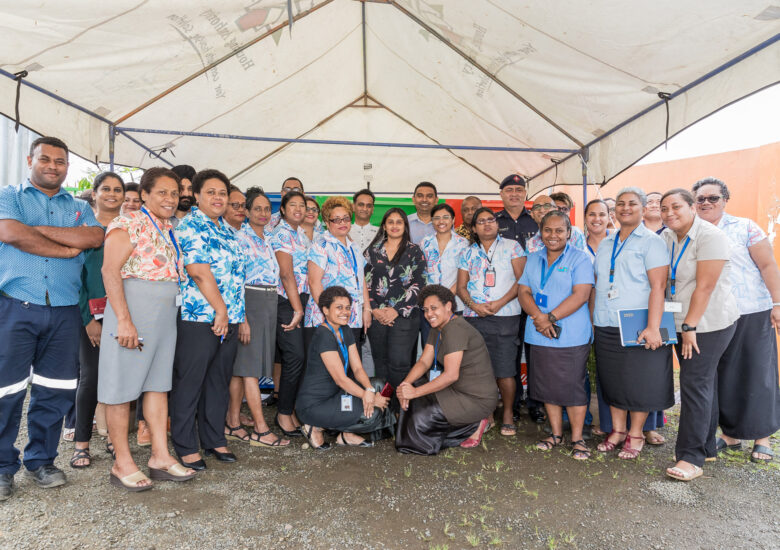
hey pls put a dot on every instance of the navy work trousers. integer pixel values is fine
(38, 344)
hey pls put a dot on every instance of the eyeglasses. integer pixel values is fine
(442, 218)
(312, 209)
(237, 205)
(288, 189)
(486, 221)
(564, 209)
(546, 206)
(712, 199)
(345, 219)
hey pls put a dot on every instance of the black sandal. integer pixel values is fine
(544, 445)
(254, 440)
(81, 454)
(307, 434)
(579, 454)
(345, 443)
(230, 435)
(294, 433)
(110, 449)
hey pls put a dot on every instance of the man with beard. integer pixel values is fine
(186, 197)
(43, 230)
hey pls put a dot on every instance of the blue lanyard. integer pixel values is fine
(545, 275)
(170, 233)
(591, 249)
(674, 264)
(342, 346)
(436, 346)
(351, 256)
(616, 254)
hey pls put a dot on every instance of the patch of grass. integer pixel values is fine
(472, 539)
(408, 470)
(464, 521)
(495, 540)
(567, 538)
(447, 530)
(439, 547)
(552, 544)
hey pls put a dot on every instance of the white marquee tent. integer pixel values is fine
(459, 92)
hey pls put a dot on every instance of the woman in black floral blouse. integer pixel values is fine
(394, 276)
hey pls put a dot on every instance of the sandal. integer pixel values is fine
(68, 434)
(508, 430)
(110, 449)
(544, 445)
(470, 443)
(230, 435)
(174, 472)
(254, 440)
(721, 445)
(580, 454)
(682, 475)
(764, 450)
(130, 483)
(597, 431)
(652, 437)
(307, 434)
(345, 443)
(628, 452)
(607, 446)
(81, 454)
(286, 433)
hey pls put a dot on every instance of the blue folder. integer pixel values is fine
(633, 321)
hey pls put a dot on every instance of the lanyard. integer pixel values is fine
(342, 346)
(545, 275)
(615, 253)
(350, 254)
(170, 234)
(490, 258)
(591, 249)
(436, 346)
(675, 264)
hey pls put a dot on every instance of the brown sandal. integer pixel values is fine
(628, 452)
(607, 446)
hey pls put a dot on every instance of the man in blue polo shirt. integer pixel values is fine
(43, 231)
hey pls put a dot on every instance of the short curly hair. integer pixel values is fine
(329, 295)
(443, 293)
(335, 202)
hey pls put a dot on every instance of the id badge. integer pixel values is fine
(490, 278)
(612, 293)
(541, 299)
(673, 307)
(178, 300)
(433, 374)
(346, 403)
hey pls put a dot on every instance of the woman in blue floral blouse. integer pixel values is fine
(395, 274)
(212, 307)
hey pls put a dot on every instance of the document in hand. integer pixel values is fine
(634, 321)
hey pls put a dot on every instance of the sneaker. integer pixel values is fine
(47, 476)
(7, 486)
(144, 436)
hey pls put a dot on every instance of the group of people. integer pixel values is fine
(183, 301)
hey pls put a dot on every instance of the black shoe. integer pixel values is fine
(536, 415)
(47, 476)
(294, 433)
(198, 465)
(516, 412)
(7, 486)
(271, 400)
(222, 457)
(587, 432)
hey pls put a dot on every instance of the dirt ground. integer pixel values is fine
(504, 494)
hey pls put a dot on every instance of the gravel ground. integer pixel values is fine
(504, 494)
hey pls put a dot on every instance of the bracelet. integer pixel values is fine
(775, 304)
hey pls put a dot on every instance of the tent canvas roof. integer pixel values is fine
(552, 83)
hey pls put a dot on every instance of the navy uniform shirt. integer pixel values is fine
(520, 230)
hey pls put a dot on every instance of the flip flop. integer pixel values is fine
(174, 472)
(655, 439)
(130, 483)
(721, 445)
(682, 475)
(257, 443)
(764, 450)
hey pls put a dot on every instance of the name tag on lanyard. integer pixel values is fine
(346, 403)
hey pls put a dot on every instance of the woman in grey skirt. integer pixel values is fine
(255, 355)
(140, 272)
(554, 291)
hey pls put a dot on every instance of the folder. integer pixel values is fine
(633, 321)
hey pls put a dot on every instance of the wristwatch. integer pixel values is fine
(553, 319)
(372, 389)
(688, 328)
